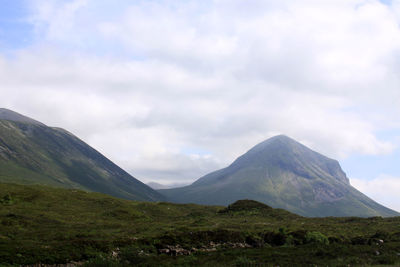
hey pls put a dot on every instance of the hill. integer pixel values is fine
(56, 226)
(33, 153)
(283, 174)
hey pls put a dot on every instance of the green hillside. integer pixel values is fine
(32, 153)
(52, 226)
(283, 174)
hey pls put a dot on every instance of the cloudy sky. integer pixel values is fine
(171, 90)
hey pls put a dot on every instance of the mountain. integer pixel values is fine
(33, 153)
(283, 174)
(6, 114)
(157, 186)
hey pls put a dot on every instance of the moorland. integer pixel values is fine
(47, 225)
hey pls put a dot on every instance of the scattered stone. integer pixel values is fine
(240, 245)
(174, 251)
(211, 247)
(164, 251)
(115, 253)
(377, 253)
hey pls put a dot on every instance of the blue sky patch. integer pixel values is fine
(15, 30)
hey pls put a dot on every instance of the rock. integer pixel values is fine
(174, 251)
(164, 251)
(115, 253)
(377, 253)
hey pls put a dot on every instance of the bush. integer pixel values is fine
(381, 234)
(275, 239)
(299, 237)
(255, 241)
(289, 241)
(359, 240)
(316, 237)
(7, 200)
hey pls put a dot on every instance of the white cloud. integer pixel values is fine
(147, 81)
(383, 189)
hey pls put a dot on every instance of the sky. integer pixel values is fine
(172, 90)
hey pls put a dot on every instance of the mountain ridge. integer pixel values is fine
(33, 153)
(7, 114)
(282, 173)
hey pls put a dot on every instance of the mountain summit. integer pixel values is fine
(282, 173)
(33, 153)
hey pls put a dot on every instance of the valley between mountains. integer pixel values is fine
(281, 203)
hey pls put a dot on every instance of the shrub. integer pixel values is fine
(381, 234)
(316, 237)
(283, 231)
(359, 240)
(255, 241)
(275, 239)
(299, 237)
(7, 200)
(289, 241)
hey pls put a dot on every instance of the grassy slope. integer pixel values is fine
(37, 154)
(51, 225)
(294, 193)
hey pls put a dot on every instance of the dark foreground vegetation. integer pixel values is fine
(54, 226)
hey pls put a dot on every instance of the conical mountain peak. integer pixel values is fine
(281, 138)
(292, 156)
(282, 173)
(281, 141)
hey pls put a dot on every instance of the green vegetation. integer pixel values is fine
(41, 224)
(32, 153)
(284, 174)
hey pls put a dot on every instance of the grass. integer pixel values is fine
(37, 154)
(41, 224)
